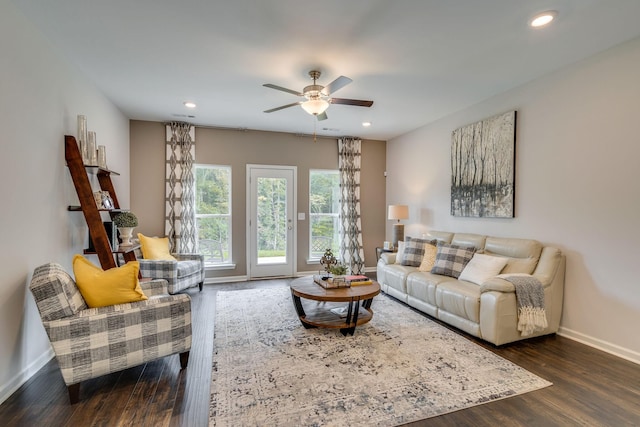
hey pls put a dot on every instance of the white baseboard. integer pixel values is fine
(21, 377)
(605, 346)
(225, 279)
(228, 279)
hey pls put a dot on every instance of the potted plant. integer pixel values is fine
(338, 270)
(126, 222)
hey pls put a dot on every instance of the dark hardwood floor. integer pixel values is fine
(590, 387)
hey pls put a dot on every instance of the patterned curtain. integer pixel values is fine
(180, 220)
(351, 250)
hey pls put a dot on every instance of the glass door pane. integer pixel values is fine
(272, 220)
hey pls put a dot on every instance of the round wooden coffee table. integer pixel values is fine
(321, 316)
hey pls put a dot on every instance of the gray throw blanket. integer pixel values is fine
(532, 316)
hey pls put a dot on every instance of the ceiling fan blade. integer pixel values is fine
(335, 85)
(284, 89)
(282, 107)
(322, 116)
(356, 102)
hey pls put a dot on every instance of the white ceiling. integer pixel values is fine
(418, 60)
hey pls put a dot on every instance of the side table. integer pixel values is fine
(380, 250)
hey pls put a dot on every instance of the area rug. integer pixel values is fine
(268, 370)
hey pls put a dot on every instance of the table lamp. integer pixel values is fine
(398, 212)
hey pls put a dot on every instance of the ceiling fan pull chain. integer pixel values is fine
(315, 122)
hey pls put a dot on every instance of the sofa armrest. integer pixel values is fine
(548, 265)
(388, 257)
(551, 259)
(497, 284)
(193, 257)
(154, 287)
(159, 269)
(189, 257)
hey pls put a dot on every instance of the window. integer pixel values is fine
(324, 206)
(213, 213)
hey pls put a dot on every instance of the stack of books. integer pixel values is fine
(330, 282)
(341, 281)
(358, 280)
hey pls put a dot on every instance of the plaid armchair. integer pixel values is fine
(185, 273)
(90, 342)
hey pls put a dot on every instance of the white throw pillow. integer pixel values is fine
(400, 253)
(482, 267)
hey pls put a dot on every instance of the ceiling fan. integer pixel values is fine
(317, 97)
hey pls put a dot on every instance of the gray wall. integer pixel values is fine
(41, 95)
(577, 186)
(239, 148)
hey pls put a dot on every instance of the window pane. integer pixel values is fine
(324, 199)
(213, 190)
(324, 194)
(213, 212)
(213, 238)
(324, 234)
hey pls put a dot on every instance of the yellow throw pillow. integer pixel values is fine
(429, 258)
(155, 248)
(101, 288)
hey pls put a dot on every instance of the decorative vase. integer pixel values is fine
(126, 233)
(82, 137)
(102, 156)
(92, 154)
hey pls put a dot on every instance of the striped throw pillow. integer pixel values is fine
(451, 259)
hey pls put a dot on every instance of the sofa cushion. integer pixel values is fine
(396, 276)
(459, 298)
(469, 239)
(482, 267)
(522, 254)
(441, 236)
(422, 285)
(451, 259)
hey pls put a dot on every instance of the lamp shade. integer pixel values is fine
(315, 106)
(398, 212)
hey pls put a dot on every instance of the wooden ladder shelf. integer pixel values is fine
(79, 174)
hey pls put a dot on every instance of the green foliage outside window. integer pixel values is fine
(324, 205)
(272, 217)
(213, 212)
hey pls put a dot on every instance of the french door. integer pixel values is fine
(271, 232)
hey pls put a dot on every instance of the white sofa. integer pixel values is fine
(487, 311)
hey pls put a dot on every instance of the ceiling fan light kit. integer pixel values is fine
(318, 97)
(315, 106)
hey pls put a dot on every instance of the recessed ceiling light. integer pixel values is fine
(366, 124)
(542, 19)
(189, 104)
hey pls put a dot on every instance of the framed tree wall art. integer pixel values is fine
(483, 168)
